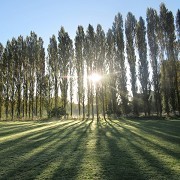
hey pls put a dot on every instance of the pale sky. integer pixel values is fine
(45, 17)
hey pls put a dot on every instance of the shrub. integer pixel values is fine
(57, 112)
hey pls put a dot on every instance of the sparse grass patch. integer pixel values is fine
(74, 149)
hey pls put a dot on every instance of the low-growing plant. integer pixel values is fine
(58, 112)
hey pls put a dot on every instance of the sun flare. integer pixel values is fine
(95, 77)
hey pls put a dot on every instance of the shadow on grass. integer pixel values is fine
(116, 162)
(139, 156)
(44, 152)
(124, 149)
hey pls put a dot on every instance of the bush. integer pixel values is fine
(57, 112)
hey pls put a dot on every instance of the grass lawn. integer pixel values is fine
(72, 149)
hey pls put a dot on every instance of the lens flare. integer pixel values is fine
(95, 77)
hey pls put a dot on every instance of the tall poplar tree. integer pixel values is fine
(40, 74)
(120, 62)
(89, 53)
(169, 81)
(111, 79)
(174, 94)
(6, 73)
(143, 64)
(32, 58)
(25, 67)
(64, 57)
(130, 31)
(54, 67)
(72, 79)
(19, 73)
(1, 79)
(162, 25)
(178, 24)
(79, 49)
(178, 54)
(100, 68)
(152, 25)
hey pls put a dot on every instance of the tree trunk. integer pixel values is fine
(71, 106)
(40, 103)
(0, 108)
(88, 94)
(7, 103)
(97, 102)
(92, 101)
(19, 101)
(36, 113)
(79, 95)
(83, 104)
(32, 97)
(103, 102)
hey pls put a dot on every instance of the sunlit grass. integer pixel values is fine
(73, 149)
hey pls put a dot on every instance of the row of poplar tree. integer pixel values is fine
(32, 82)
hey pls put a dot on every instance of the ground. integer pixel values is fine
(76, 149)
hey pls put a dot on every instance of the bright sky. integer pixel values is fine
(45, 17)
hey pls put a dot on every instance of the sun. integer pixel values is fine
(95, 77)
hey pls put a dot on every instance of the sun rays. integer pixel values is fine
(94, 77)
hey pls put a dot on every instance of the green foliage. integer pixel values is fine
(65, 52)
(31, 81)
(130, 30)
(178, 24)
(143, 64)
(119, 63)
(152, 32)
(57, 112)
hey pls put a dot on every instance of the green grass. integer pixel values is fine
(72, 149)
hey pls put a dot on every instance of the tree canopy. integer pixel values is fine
(135, 66)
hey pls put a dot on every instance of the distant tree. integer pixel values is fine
(25, 79)
(72, 79)
(54, 68)
(6, 73)
(48, 86)
(171, 57)
(79, 49)
(120, 62)
(177, 47)
(14, 78)
(32, 58)
(178, 24)
(99, 63)
(40, 74)
(1, 78)
(130, 30)
(143, 64)
(170, 93)
(19, 72)
(110, 59)
(152, 25)
(64, 57)
(89, 53)
(162, 51)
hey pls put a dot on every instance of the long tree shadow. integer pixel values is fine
(116, 162)
(159, 145)
(169, 128)
(20, 139)
(34, 151)
(86, 150)
(9, 129)
(142, 153)
(71, 163)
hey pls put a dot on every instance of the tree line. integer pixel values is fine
(33, 82)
